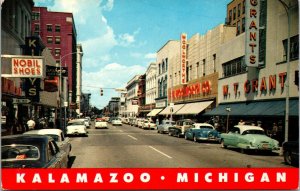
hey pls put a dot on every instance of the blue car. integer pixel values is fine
(202, 132)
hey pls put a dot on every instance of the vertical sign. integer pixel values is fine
(183, 56)
(252, 33)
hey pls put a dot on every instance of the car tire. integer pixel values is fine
(223, 145)
(170, 134)
(287, 157)
(185, 137)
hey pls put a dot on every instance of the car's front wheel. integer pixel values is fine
(287, 157)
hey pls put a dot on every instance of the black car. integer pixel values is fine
(32, 151)
(291, 152)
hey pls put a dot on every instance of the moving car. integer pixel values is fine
(248, 137)
(100, 123)
(58, 135)
(202, 132)
(181, 127)
(32, 151)
(291, 152)
(164, 126)
(116, 121)
(76, 127)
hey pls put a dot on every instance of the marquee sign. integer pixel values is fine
(183, 57)
(252, 33)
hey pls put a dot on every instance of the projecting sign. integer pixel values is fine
(183, 56)
(21, 101)
(252, 33)
(27, 67)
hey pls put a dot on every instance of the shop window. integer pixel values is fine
(49, 27)
(57, 28)
(49, 39)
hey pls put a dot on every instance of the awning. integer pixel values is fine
(167, 110)
(257, 108)
(193, 108)
(154, 112)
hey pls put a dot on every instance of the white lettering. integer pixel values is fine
(265, 177)
(207, 177)
(36, 178)
(64, 178)
(280, 177)
(236, 177)
(81, 177)
(196, 177)
(182, 177)
(128, 177)
(113, 177)
(20, 177)
(249, 177)
(145, 177)
(50, 178)
(98, 178)
(223, 177)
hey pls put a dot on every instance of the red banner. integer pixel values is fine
(151, 178)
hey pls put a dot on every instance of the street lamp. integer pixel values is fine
(60, 88)
(228, 109)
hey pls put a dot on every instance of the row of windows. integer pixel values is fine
(49, 27)
(50, 40)
(57, 51)
(236, 12)
(234, 67)
(163, 67)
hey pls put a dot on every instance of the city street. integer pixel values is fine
(128, 147)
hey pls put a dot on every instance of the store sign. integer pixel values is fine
(55, 71)
(27, 67)
(252, 32)
(32, 88)
(183, 57)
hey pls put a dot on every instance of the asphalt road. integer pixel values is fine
(129, 147)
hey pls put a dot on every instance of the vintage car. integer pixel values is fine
(100, 123)
(248, 137)
(180, 127)
(202, 132)
(164, 126)
(148, 124)
(116, 121)
(291, 152)
(76, 127)
(32, 151)
(58, 135)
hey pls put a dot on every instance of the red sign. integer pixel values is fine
(27, 67)
(151, 179)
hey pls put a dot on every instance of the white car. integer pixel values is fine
(148, 124)
(100, 123)
(58, 135)
(116, 121)
(76, 127)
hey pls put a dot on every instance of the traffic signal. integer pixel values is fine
(101, 92)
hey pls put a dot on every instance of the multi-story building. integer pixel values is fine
(143, 109)
(79, 78)
(132, 97)
(236, 15)
(151, 84)
(261, 93)
(57, 31)
(113, 106)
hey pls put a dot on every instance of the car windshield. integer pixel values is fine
(206, 126)
(253, 131)
(55, 137)
(76, 123)
(170, 122)
(17, 152)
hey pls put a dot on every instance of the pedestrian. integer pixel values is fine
(241, 122)
(31, 124)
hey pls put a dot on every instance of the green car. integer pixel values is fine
(247, 137)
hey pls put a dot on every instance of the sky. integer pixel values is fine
(120, 38)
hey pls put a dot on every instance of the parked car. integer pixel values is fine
(76, 127)
(165, 125)
(248, 137)
(58, 135)
(180, 127)
(140, 123)
(202, 132)
(148, 124)
(132, 121)
(100, 123)
(116, 121)
(291, 152)
(32, 151)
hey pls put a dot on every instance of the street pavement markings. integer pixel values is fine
(132, 137)
(160, 152)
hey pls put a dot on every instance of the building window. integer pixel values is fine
(36, 27)
(35, 16)
(166, 64)
(203, 67)
(159, 68)
(57, 52)
(57, 40)
(239, 10)
(197, 70)
(214, 62)
(191, 67)
(57, 28)
(294, 48)
(244, 7)
(49, 39)
(243, 24)
(230, 16)
(234, 13)
(238, 28)
(49, 27)
(187, 71)
(234, 67)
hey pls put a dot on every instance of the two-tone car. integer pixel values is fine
(76, 127)
(165, 125)
(57, 134)
(202, 132)
(248, 137)
(100, 123)
(32, 151)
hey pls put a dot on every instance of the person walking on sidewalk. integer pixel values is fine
(31, 124)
